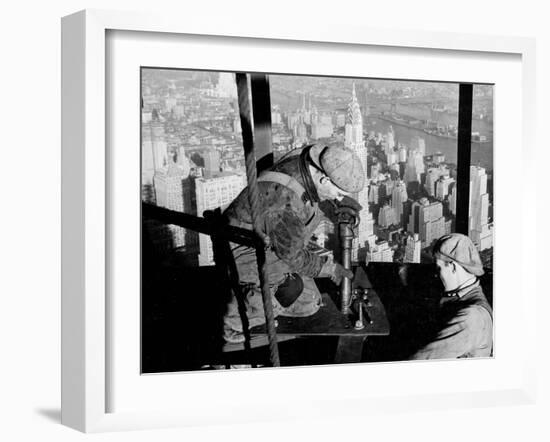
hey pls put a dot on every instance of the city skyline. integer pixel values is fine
(190, 124)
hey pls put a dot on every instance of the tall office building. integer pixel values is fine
(365, 237)
(353, 139)
(340, 120)
(172, 192)
(392, 158)
(427, 220)
(479, 207)
(389, 143)
(380, 252)
(484, 238)
(413, 248)
(300, 133)
(374, 169)
(154, 148)
(386, 216)
(292, 120)
(397, 168)
(212, 192)
(432, 176)
(443, 187)
(418, 144)
(373, 193)
(321, 126)
(414, 167)
(402, 154)
(398, 197)
(276, 117)
(387, 186)
(211, 159)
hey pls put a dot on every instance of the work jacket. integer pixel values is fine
(467, 327)
(287, 216)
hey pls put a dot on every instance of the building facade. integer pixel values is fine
(217, 190)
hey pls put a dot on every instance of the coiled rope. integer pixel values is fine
(253, 199)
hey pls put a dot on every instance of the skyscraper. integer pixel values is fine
(212, 192)
(402, 154)
(443, 187)
(389, 143)
(321, 126)
(418, 144)
(414, 167)
(154, 148)
(373, 193)
(386, 216)
(392, 158)
(211, 159)
(479, 206)
(353, 139)
(427, 220)
(413, 248)
(380, 252)
(452, 201)
(300, 133)
(172, 192)
(433, 175)
(398, 197)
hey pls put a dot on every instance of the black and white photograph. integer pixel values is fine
(294, 220)
(275, 221)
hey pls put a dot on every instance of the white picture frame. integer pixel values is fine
(86, 314)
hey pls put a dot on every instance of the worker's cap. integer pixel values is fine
(460, 249)
(341, 165)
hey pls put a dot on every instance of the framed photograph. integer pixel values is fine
(169, 316)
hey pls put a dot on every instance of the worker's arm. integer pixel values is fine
(287, 233)
(459, 336)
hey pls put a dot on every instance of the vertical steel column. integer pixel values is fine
(464, 157)
(346, 239)
(261, 108)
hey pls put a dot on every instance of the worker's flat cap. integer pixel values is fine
(460, 249)
(341, 165)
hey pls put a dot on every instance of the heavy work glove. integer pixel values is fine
(340, 272)
(348, 206)
(335, 271)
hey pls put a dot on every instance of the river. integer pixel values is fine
(482, 153)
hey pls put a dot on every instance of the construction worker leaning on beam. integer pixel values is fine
(290, 193)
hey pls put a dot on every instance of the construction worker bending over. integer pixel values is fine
(290, 193)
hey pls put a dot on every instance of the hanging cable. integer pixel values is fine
(253, 199)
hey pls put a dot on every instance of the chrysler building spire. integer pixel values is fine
(354, 112)
(353, 139)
